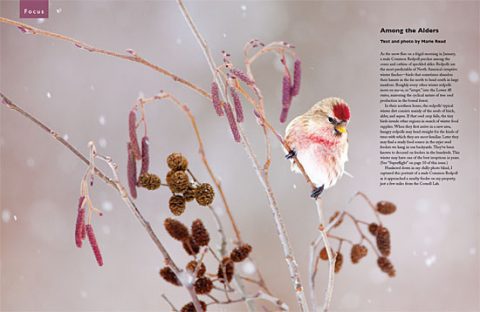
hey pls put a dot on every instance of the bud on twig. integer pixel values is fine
(386, 266)
(240, 253)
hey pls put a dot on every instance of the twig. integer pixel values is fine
(169, 303)
(115, 183)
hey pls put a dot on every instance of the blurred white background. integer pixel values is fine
(87, 96)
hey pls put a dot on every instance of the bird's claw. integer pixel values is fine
(317, 192)
(291, 154)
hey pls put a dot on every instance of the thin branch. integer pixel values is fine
(134, 57)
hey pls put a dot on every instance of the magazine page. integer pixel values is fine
(239, 155)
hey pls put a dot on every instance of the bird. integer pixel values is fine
(318, 139)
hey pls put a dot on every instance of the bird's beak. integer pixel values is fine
(340, 128)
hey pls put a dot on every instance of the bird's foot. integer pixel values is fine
(317, 192)
(291, 154)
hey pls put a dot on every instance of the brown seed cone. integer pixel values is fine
(177, 161)
(189, 194)
(204, 194)
(189, 307)
(176, 229)
(190, 247)
(177, 204)
(192, 266)
(149, 181)
(358, 252)
(333, 218)
(228, 266)
(199, 233)
(385, 207)
(203, 285)
(383, 241)
(240, 253)
(324, 254)
(372, 228)
(386, 266)
(167, 274)
(338, 262)
(177, 181)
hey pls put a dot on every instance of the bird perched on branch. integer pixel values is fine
(319, 140)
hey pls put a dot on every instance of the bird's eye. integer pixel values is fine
(331, 120)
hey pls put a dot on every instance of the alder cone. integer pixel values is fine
(338, 262)
(204, 194)
(199, 233)
(190, 247)
(372, 228)
(240, 253)
(177, 181)
(386, 266)
(358, 252)
(383, 241)
(386, 207)
(192, 266)
(176, 229)
(177, 204)
(168, 275)
(177, 161)
(189, 307)
(228, 266)
(203, 285)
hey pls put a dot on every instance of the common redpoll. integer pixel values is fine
(319, 140)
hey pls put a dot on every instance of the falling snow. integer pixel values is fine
(65, 137)
(6, 216)
(248, 268)
(49, 95)
(59, 10)
(107, 206)
(40, 20)
(472, 251)
(430, 260)
(178, 41)
(473, 76)
(31, 162)
(102, 142)
(83, 294)
(14, 217)
(106, 229)
(102, 120)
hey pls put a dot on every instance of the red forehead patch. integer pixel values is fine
(341, 111)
